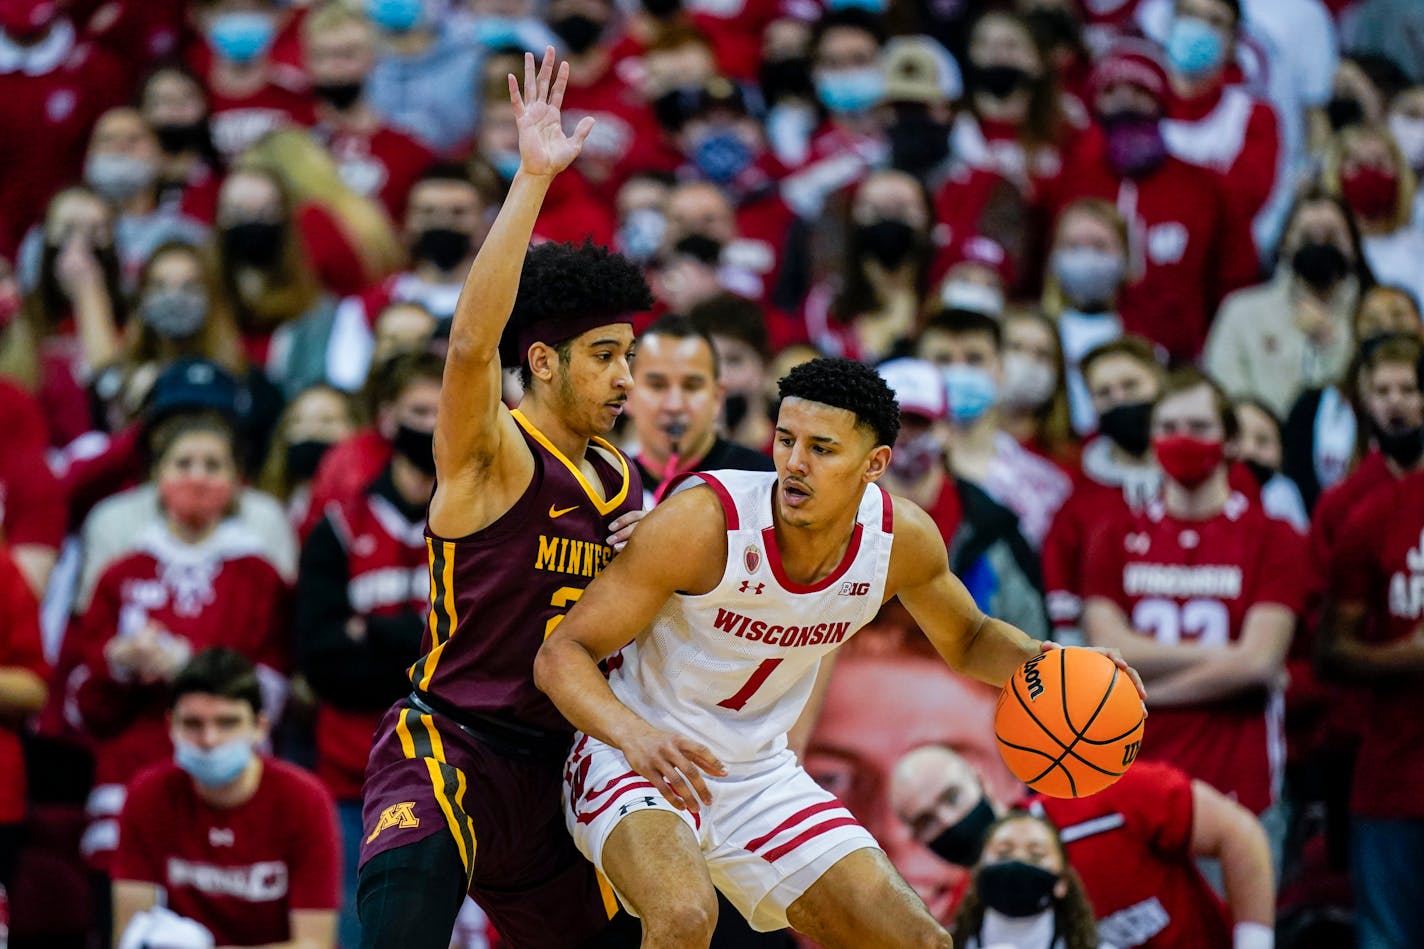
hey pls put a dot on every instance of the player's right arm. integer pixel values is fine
(1225, 831)
(477, 443)
(680, 546)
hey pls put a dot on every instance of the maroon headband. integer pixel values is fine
(554, 330)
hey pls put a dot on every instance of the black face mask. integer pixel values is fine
(785, 78)
(1053, 26)
(1404, 447)
(578, 32)
(442, 246)
(254, 243)
(1261, 471)
(1320, 265)
(1129, 426)
(961, 843)
(998, 81)
(1015, 888)
(339, 95)
(177, 139)
(416, 447)
(303, 459)
(662, 9)
(672, 107)
(890, 243)
(701, 248)
(918, 143)
(734, 409)
(1343, 111)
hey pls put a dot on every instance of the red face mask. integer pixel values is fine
(1370, 192)
(1186, 460)
(195, 502)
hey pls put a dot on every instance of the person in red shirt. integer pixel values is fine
(175, 105)
(1374, 634)
(248, 95)
(238, 843)
(1189, 244)
(375, 160)
(1223, 127)
(1135, 845)
(1117, 472)
(197, 579)
(33, 516)
(1203, 589)
(23, 690)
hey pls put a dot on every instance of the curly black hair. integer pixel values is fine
(850, 385)
(572, 280)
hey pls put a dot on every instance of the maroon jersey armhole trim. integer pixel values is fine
(773, 556)
(887, 511)
(729, 507)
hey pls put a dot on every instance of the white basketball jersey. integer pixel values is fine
(733, 668)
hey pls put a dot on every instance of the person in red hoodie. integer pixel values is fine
(363, 591)
(23, 690)
(1189, 244)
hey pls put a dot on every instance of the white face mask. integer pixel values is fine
(968, 295)
(1409, 135)
(1027, 383)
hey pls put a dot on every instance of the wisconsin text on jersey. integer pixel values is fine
(567, 555)
(744, 627)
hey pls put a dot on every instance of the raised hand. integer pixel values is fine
(544, 149)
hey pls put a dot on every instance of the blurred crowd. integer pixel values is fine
(1146, 276)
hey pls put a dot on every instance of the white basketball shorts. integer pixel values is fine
(770, 832)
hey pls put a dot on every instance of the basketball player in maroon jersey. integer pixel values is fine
(463, 785)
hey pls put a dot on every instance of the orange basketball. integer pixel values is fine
(1069, 722)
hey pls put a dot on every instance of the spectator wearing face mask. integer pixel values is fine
(871, 312)
(195, 577)
(847, 139)
(1371, 636)
(1322, 434)
(1024, 895)
(1014, 121)
(1406, 124)
(363, 590)
(122, 168)
(175, 105)
(922, 84)
(737, 329)
(978, 276)
(982, 536)
(376, 160)
(221, 810)
(68, 326)
(1274, 340)
(1122, 378)
(248, 94)
(1134, 845)
(1263, 454)
(1204, 589)
(638, 209)
(443, 229)
(1033, 401)
(1179, 257)
(425, 82)
(319, 417)
(968, 348)
(1366, 169)
(53, 86)
(1220, 126)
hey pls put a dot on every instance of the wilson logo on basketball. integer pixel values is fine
(1031, 677)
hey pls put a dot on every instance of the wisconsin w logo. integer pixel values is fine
(397, 815)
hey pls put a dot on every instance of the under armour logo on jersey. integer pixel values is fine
(646, 801)
(854, 589)
(749, 587)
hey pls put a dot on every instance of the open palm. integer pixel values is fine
(544, 149)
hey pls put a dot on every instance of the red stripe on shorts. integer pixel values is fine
(589, 798)
(792, 821)
(589, 817)
(771, 856)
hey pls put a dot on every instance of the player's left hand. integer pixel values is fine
(621, 529)
(544, 149)
(1116, 657)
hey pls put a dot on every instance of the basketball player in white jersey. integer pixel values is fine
(735, 587)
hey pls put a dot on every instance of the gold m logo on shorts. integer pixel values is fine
(397, 815)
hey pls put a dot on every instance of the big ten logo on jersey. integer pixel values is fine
(581, 558)
(854, 589)
(1406, 587)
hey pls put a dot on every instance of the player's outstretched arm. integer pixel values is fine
(467, 432)
(1225, 831)
(679, 547)
(972, 642)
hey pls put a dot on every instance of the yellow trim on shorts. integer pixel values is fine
(444, 798)
(605, 890)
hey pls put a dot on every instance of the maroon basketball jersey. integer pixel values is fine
(497, 593)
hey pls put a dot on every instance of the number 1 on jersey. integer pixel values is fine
(744, 694)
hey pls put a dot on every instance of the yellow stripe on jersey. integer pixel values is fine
(443, 617)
